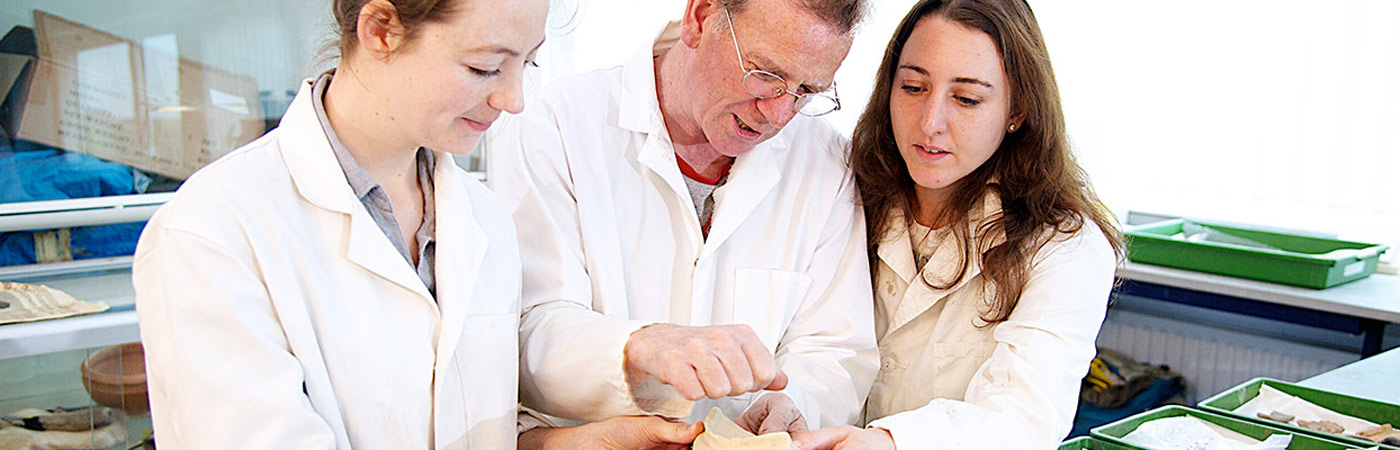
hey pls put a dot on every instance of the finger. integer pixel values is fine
(760, 358)
(820, 439)
(779, 382)
(784, 420)
(676, 433)
(712, 377)
(753, 416)
(798, 424)
(736, 366)
(686, 381)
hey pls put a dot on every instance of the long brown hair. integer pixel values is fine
(1040, 184)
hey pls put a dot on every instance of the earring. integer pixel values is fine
(1011, 129)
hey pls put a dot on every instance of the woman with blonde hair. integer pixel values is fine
(992, 256)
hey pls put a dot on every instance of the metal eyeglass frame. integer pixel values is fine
(800, 100)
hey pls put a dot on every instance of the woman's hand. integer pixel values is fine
(844, 437)
(618, 433)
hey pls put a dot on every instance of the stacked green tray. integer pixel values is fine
(1294, 260)
(1089, 443)
(1114, 432)
(1370, 410)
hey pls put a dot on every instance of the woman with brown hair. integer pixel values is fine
(992, 256)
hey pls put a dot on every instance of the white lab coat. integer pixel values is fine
(611, 242)
(946, 384)
(276, 314)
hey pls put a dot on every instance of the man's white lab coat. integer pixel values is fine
(610, 242)
(276, 314)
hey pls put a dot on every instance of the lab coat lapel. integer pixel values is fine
(895, 251)
(461, 250)
(753, 177)
(640, 112)
(319, 179)
(919, 296)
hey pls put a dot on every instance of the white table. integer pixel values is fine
(1374, 378)
(1362, 307)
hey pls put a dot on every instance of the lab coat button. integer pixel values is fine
(887, 365)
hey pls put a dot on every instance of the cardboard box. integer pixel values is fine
(97, 93)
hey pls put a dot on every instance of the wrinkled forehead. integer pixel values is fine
(781, 37)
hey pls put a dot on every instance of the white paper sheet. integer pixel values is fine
(1190, 433)
(1270, 400)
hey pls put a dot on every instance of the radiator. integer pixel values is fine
(1213, 359)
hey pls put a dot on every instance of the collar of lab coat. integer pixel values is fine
(752, 177)
(897, 252)
(319, 179)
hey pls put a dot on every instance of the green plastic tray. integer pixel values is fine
(1298, 262)
(1114, 432)
(1379, 412)
(1089, 443)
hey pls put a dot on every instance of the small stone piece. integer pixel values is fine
(1276, 416)
(1382, 434)
(1325, 426)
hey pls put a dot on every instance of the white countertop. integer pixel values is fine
(1373, 378)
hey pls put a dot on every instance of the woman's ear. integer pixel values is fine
(379, 31)
(693, 25)
(1015, 122)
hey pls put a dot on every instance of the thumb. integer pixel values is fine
(779, 382)
(819, 439)
(677, 432)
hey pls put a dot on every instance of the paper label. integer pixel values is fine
(1353, 268)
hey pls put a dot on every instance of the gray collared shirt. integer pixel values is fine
(376, 201)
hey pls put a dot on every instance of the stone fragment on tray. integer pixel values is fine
(1276, 416)
(1325, 426)
(1381, 434)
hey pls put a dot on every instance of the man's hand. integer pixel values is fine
(711, 361)
(844, 437)
(773, 412)
(618, 433)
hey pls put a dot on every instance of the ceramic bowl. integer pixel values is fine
(116, 377)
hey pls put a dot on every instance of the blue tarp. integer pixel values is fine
(51, 174)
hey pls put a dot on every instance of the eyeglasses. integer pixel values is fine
(765, 85)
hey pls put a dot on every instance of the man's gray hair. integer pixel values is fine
(842, 14)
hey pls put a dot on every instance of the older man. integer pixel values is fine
(689, 234)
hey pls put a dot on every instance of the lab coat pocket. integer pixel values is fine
(486, 367)
(767, 299)
(953, 363)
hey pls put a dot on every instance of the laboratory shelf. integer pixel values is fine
(107, 281)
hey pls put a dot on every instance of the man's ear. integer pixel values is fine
(693, 24)
(378, 29)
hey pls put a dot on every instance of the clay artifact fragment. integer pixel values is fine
(62, 419)
(1381, 434)
(723, 434)
(1325, 426)
(1276, 416)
